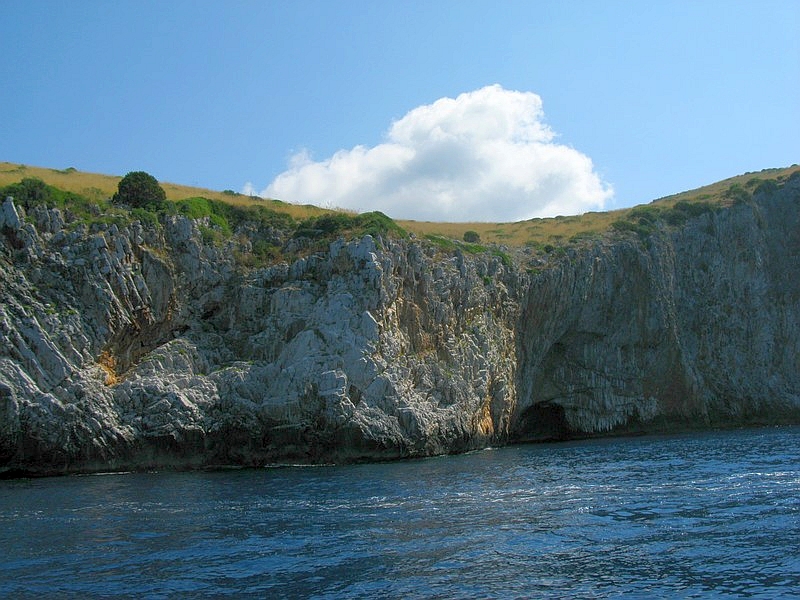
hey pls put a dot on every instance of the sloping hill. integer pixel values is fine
(97, 187)
(534, 233)
(558, 230)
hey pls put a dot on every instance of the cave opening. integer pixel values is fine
(543, 422)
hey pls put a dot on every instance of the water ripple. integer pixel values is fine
(681, 516)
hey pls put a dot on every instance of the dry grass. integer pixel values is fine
(534, 232)
(557, 230)
(715, 192)
(90, 185)
(97, 187)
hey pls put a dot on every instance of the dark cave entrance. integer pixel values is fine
(543, 422)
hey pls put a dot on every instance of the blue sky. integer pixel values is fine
(555, 107)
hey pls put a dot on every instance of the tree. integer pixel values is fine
(140, 190)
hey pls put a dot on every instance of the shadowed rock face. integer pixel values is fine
(138, 347)
(696, 328)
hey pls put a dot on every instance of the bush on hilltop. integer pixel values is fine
(140, 190)
(472, 237)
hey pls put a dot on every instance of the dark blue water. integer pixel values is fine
(702, 515)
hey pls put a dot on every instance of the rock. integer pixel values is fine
(9, 218)
(135, 347)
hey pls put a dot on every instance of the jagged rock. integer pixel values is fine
(9, 217)
(141, 346)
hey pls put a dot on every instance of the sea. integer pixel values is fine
(700, 515)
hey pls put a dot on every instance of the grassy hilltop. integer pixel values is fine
(95, 190)
(97, 187)
(559, 230)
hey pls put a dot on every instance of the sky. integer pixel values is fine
(424, 109)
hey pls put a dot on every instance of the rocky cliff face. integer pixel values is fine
(694, 328)
(141, 346)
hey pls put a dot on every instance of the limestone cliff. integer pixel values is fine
(697, 327)
(144, 346)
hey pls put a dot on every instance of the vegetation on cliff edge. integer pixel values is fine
(257, 233)
(277, 227)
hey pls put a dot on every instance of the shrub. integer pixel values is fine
(321, 227)
(683, 211)
(737, 194)
(646, 215)
(376, 223)
(326, 226)
(29, 192)
(211, 237)
(693, 209)
(473, 248)
(224, 219)
(766, 188)
(472, 237)
(503, 256)
(441, 241)
(194, 208)
(642, 229)
(753, 182)
(140, 190)
(264, 250)
(675, 217)
(221, 223)
(266, 217)
(144, 216)
(32, 192)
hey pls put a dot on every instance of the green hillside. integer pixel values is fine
(97, 189)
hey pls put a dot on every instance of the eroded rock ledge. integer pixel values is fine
(141, 346)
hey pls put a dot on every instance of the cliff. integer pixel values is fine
(146, 345)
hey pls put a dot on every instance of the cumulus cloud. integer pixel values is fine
(487, 155)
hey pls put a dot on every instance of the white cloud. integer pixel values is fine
(486, 155)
